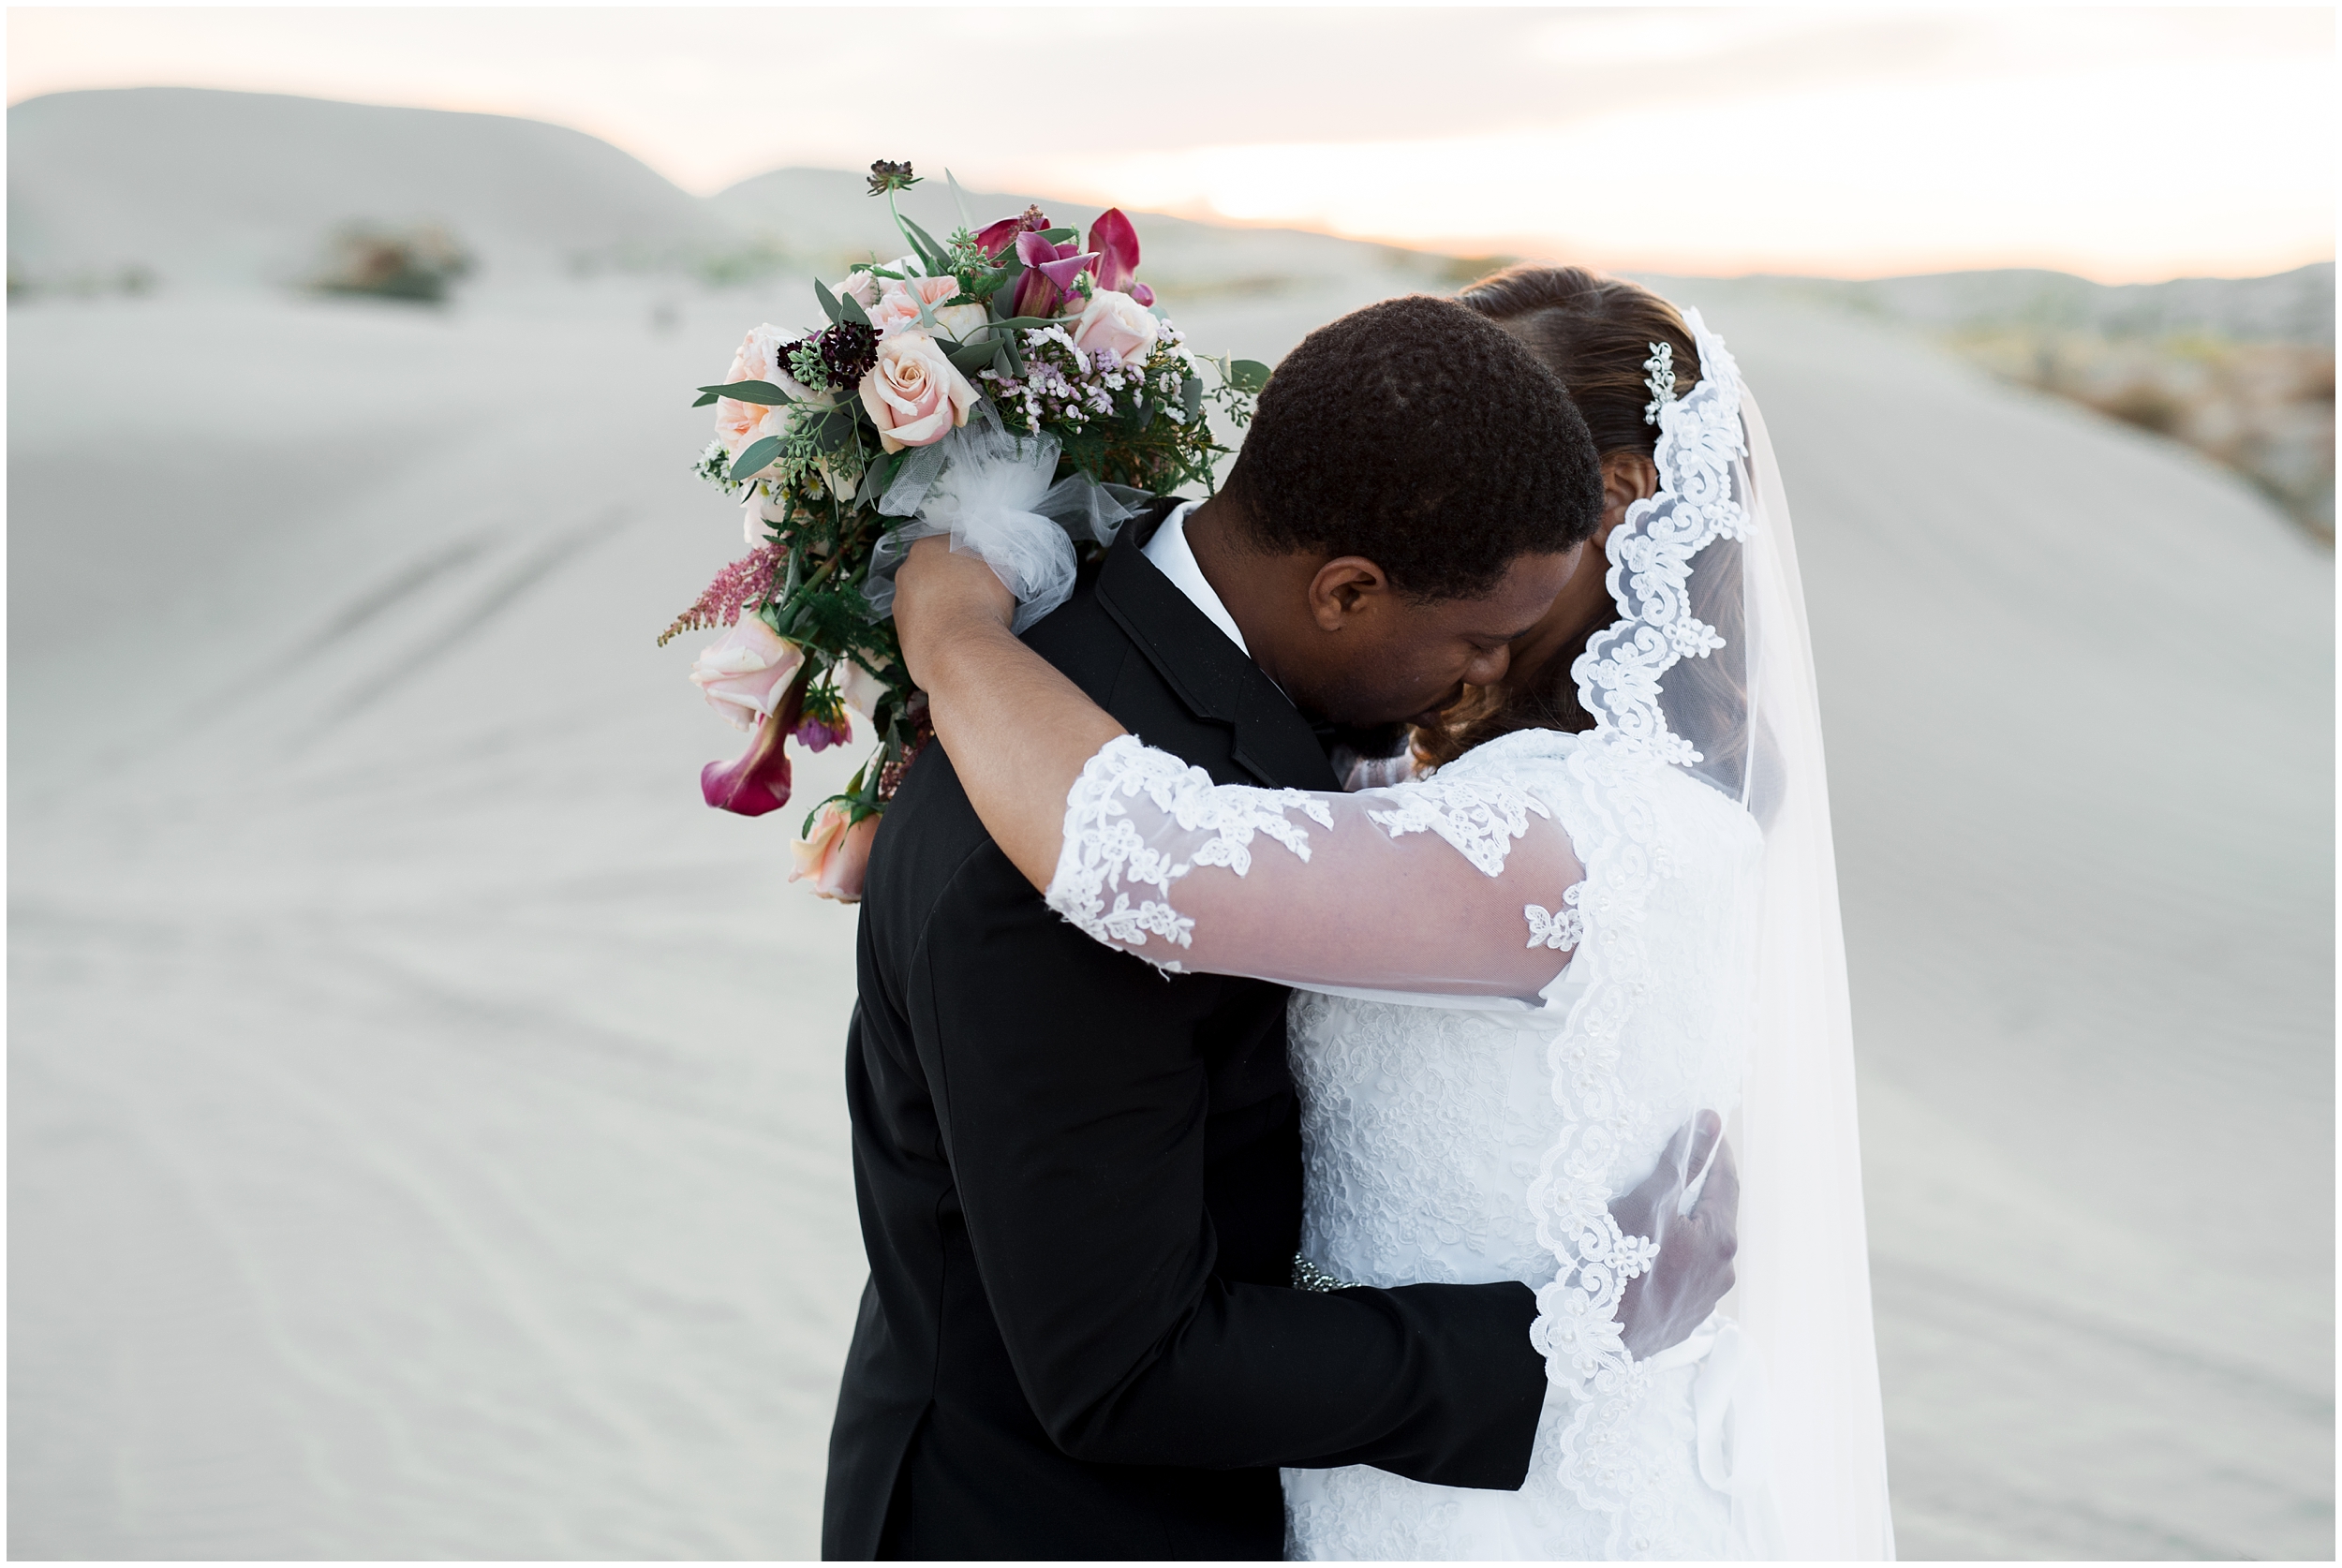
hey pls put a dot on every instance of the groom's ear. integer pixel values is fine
(1343, 588)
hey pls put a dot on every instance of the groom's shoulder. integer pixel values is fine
(1088, 645)
(931, 831)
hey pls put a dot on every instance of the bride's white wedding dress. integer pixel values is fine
(1516, 979)
(1429, 1133)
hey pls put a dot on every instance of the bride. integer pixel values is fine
(1609, 905)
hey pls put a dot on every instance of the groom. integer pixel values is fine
(1079, 1179)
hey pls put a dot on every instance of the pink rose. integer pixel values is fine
(915, 396)
(836, 854)
(746, 672)
(860, 689)
(867, 286)
(863, 286)
(899, 300)
(1117, 324)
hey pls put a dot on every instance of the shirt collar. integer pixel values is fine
(1172, 555)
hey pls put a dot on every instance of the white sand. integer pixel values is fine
(426, 1127)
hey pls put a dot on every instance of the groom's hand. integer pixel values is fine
(1694, 1265)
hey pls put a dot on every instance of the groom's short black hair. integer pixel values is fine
(1421, 436)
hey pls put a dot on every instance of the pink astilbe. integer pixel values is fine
(745, 585)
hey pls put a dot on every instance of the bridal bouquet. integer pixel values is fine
(1009, 385)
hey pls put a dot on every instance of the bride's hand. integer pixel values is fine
(1017, 731)
(1662, 1308)
(939, 595)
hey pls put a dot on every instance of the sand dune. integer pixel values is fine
(211, 187)
(425, 1118)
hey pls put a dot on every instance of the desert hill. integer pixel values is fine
(196, 186)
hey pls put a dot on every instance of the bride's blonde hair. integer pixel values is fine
(1594, 332)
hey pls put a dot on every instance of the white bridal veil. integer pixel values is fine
(1741, 711)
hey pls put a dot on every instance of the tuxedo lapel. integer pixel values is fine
(1210, 674)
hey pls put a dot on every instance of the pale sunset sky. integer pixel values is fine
(2122, 143)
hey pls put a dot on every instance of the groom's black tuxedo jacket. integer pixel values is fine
(1080, 1185)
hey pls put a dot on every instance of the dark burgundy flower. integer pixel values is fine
(886, 176)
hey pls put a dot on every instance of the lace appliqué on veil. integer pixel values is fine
(1618, 682)
(1104, 850)
(1651, 556)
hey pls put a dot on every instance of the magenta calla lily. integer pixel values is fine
(1117, 245)
(1050, 273)
(755, 783)
(994, 237)
(1069, 265)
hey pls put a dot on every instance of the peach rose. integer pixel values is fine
(836, 854)
(1117, 324)
(738, 423)
(746, 672)
(915, 396)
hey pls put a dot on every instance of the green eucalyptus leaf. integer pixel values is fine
(1248, 375)
(1192, 397)
(854, 310)
(1058, 236)
(763, 393)
(761, 451)
(704, 400)
(935, 256)
(968, 357)
(829, 302)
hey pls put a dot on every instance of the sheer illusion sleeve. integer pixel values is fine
(1459, 886)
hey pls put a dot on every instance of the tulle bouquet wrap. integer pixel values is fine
(1011, 387)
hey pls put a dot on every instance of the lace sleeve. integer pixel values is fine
(1456, 886)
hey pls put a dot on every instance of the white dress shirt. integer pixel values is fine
(1172, 556)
